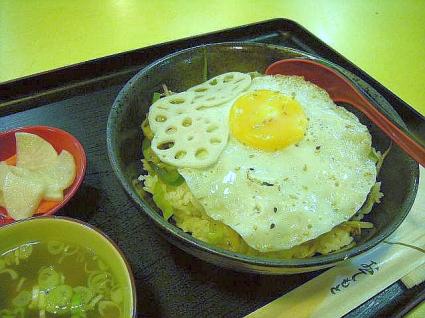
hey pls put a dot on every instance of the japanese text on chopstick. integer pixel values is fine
(364, 269)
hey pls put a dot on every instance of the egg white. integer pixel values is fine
(276, 200)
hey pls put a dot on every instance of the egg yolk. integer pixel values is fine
(267, 120)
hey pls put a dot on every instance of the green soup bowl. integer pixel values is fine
(44, 229)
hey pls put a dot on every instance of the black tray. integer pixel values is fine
(170, 283)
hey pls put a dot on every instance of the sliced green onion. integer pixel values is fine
(13, 274)
(70, 250)
(20, 312)
(94, 301)
(16, 253)
(100, 282)
(21, 282)
(48, 278)
(80, 257)
(58, 300)
(7, 313)
(23, 299)
(25, 251)
(109, 309)
(55, 247)
(102, 266)
(35, 297)
(42, 304)
(117, 295)
(81, 298)
(41, 300)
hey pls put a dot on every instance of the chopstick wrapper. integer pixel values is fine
(347, 285)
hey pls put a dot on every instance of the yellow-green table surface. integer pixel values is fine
(385, 38)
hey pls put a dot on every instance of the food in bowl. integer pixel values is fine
(260, 165)
(59, 267)
(34, 180)
(53, 278)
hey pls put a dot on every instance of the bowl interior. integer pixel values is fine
(67, 230)
(185, 69)
(60, 140)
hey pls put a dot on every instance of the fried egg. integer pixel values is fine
(276, 160)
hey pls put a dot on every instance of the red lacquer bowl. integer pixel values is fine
(60, 140)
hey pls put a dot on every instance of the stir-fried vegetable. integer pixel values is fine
(165, 172)
(155, 97)
(161, 202)
(205, 66)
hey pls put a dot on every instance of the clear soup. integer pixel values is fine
(57, 279)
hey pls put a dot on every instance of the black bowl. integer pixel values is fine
(183, 69)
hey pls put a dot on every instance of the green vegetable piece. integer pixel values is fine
(25, 251)
(20, 284)
(109, 309)
(42, 302)
(13, 274)
(169, 175)
(80, 300)
(35, 297)
(147, 132)
(155, 97)
(48, 278)
(205, 66)
(85, 294)
(7, 313)
(94, 301)
(55, 247)
(70, 250)
(146, 149)
(23, 299)
(117, 295)
(161, 202)
(102, 266)
(2, 263)
(58, 300)
(100, 282)
(20, 312)
(166, 173)
(254, 74)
